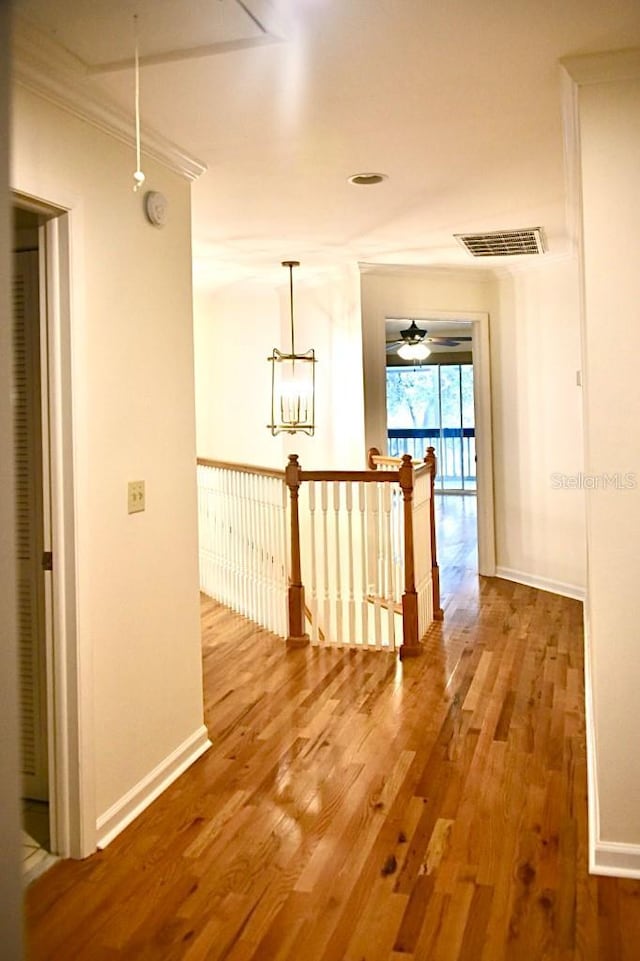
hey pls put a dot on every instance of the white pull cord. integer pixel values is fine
(138, 175)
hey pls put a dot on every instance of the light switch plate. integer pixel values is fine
(136, 499)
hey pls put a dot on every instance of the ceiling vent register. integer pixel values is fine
(504, 243)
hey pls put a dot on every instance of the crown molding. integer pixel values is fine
(44, 68)
(479, 273)
(605, 67)
(575, 72)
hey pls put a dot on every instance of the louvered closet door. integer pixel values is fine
(29, 537)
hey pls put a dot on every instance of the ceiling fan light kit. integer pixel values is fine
(413, 351)
(293, 382)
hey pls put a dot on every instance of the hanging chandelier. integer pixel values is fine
(293, 382)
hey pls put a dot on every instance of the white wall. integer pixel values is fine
(535, 352)
(237, 327)
(235, 330)
(10, 886)
(133, 409)
(609, 118)
(537, 411)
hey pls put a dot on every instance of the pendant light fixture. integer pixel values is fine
(293, 382)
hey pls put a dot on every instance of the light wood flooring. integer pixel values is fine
(354, 808)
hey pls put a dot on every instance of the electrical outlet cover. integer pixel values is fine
(136, 498)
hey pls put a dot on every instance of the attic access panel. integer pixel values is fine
(100, 33)
(504, 243)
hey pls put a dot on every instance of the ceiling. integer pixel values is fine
(458, 102)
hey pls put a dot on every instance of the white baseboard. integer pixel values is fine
(593, 809)
(610, 858)
(133, 803)
(541, 583)
(615, 860)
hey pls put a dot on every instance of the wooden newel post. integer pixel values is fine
(410, 640)
(432, 463)
(297, 636)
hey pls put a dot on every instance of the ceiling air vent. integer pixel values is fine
(504, 243)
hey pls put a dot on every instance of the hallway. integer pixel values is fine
(353, 807)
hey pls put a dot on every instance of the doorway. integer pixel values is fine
(61, 664)
(431, 403)
(464, 446)
(33, 538)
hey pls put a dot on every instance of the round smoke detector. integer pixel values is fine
(366, 180)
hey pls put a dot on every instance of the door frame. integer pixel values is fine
(374, 360)
(69, 675)
(481, 357)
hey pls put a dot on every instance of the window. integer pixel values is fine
(432, 405)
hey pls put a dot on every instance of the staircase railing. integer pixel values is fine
(358, 569)
(242, 528)
(375, 461)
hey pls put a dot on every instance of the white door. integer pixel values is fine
(29, 533)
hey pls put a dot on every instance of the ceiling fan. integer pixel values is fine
(412, 343)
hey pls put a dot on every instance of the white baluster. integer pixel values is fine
(284, 554)
(217, 507)
(388, 555)
(398, 555)
(271, 543)
(260, 608)
(265, 548)
(250, 544)
(338, 571)
(272, 554)
(225, 479)
(374, 498)
(351, 604)
(324, 499)
(241, 542)
(253, 608)
(313, 600)
(362, 504)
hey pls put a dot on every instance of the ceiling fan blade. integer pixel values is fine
(447, 341)
(392, 344)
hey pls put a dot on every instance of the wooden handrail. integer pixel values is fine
(376, 459)
(388, 476)
(242, 468)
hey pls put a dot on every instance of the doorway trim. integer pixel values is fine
(481, 358)
(69, 675)
(374, 361)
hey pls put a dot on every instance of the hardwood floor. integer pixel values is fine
(355, 808)
(457, 534)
